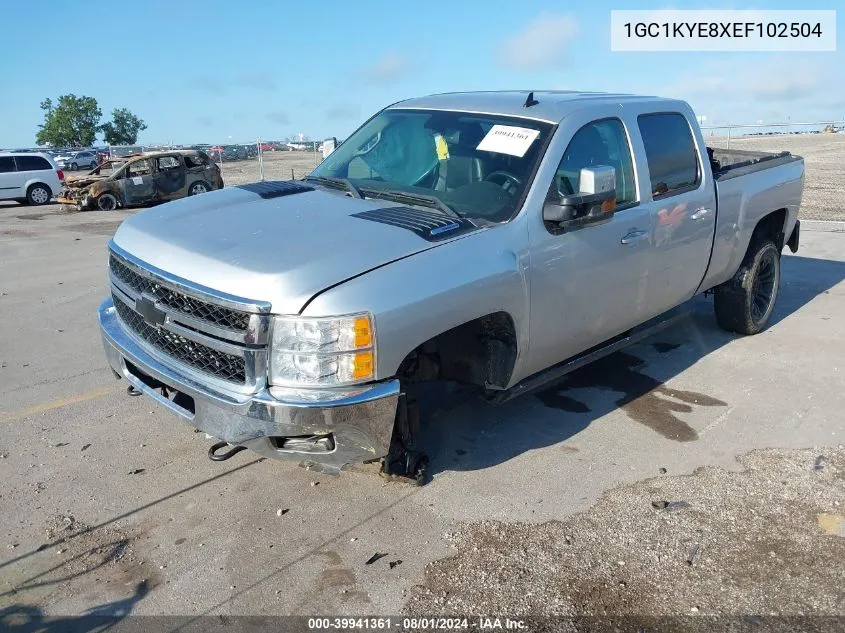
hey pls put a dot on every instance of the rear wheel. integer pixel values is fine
(38, 194)
(197, 188)
(744, 304)
(107, 202)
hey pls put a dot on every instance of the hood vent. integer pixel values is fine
(430, 226)
(276, 188)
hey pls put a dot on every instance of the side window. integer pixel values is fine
(7, 164)
(32, 163)
(167, 162)
(194, 161)
(670, 151)
(601, 142)
(139, 168)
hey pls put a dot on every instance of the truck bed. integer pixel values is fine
(749, 186)
(730, 163)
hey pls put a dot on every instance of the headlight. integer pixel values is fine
(322, 352)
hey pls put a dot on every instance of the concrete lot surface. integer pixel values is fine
(109, 503)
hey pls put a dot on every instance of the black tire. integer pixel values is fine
(744, 303)
(93, 165)
(197, 188)
(106, 202)
(38, 194)
(74, 166)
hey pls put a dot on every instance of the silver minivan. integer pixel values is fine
(29, 177)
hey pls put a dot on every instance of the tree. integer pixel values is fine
(72, 122)
(123, 128)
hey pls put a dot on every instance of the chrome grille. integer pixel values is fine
(201, 357)
(203, 311)
(221, 335)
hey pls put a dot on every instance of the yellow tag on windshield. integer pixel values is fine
(442, 147)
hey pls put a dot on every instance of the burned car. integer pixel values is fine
(143, 180)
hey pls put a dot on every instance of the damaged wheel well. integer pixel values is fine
(481, 352)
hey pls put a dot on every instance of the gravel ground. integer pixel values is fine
(768, 540)
(277, 166)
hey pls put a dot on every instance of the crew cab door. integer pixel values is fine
(679, 190)
(138, 183)
(587, 284)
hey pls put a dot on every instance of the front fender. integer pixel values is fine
(417, 298)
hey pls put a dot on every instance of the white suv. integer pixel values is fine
(75, 160)
(29, 177)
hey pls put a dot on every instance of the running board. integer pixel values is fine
(556, 372)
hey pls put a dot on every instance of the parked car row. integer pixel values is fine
(228, 152)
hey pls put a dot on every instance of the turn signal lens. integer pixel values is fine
(364, 368)
(363, 332)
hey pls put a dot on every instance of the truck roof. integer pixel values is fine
(552, 105)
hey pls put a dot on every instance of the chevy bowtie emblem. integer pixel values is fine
(147, 309)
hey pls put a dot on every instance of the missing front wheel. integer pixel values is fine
(404, 461)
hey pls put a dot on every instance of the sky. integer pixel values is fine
(221, 71)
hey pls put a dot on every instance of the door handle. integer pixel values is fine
(633, 237)
(700, 214)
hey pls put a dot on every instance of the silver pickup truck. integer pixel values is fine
(495, 239)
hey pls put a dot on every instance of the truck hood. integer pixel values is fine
(283, 249)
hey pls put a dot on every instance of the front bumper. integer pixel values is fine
(358, 421)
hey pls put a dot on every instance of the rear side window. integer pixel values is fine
(7, 164)
(32, 163)
(168, 162)
(670, 151)
(195, 161)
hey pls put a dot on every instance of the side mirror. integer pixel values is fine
(595, 202)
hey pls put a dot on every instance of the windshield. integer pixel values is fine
(477, 164)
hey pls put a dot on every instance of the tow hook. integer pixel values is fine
(132, 391)
(222, 457)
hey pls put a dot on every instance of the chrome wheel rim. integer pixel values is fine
(39, 195)
(764, 287)
(198, 188)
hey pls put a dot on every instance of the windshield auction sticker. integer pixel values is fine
(508, 139)
(723, 30)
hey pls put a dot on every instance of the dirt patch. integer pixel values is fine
(17, 233)
(32, 216)
(95, 228)
(741, 543)
(74, 557)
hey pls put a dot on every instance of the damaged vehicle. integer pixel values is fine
(142, 180)
(495, 239)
